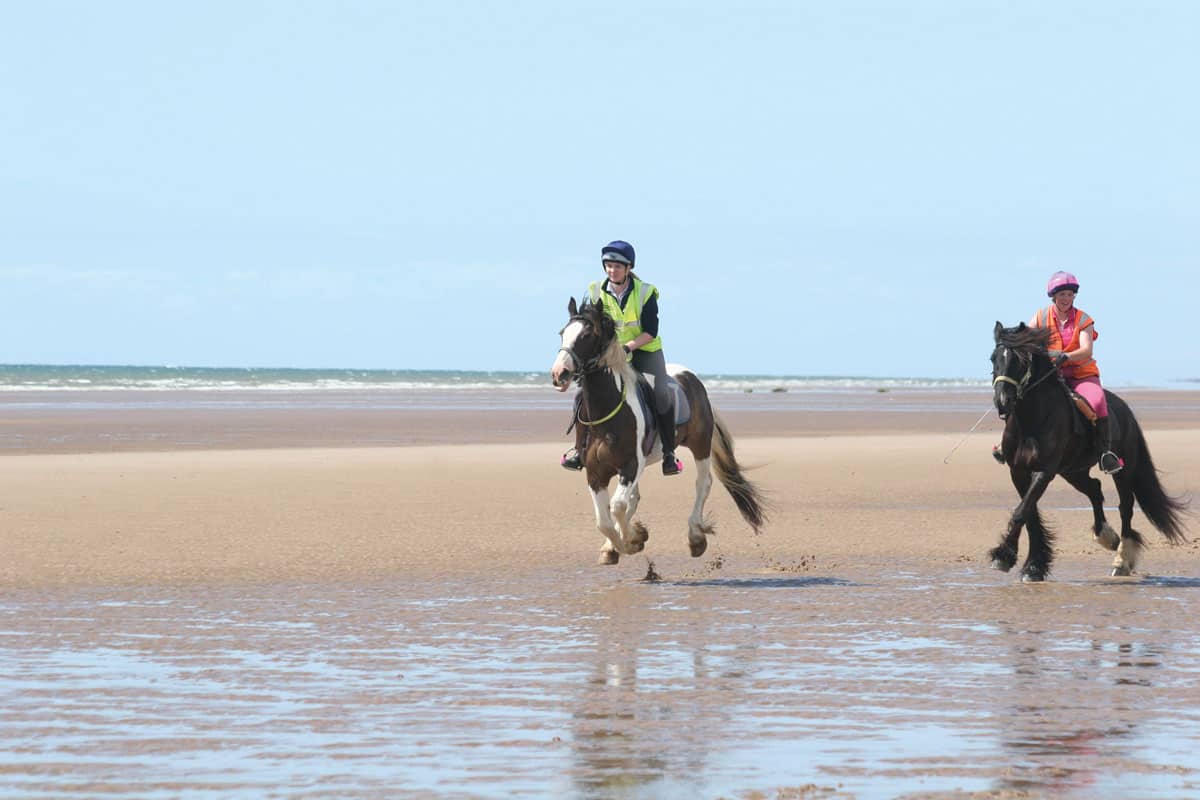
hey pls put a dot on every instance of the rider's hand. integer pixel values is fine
(1060, 359)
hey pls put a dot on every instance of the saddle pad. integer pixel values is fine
(679, 401)
(683, 409)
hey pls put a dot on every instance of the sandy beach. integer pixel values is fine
(169, 500)
(466, 558)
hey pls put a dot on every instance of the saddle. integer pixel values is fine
(1083, 408)
(1083, 421)
(679, 404)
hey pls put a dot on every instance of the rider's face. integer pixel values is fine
(617, 272)
(1064, 299)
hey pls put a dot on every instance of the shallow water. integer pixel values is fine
(594, 684)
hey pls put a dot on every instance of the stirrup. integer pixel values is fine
(1110, 456)
(998, 454)
(572, 460)
(671, 464)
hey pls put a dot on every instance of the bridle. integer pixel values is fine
(582, 368)
(585, 368)
(1023, 385)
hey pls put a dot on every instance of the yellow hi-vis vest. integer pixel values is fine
(628, 319)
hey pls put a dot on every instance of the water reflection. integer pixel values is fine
(1081, 701)
(590, 686)
(637, 724)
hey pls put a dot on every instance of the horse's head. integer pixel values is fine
(1014, 362)
(586, 338)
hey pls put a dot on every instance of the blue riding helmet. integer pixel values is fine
(617, 251)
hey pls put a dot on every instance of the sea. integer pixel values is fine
(40, 388)
(16, 378)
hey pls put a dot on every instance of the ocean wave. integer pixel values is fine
(34, 378)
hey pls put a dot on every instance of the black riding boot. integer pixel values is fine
(573, 458)
(1110, 462)
(666, 430)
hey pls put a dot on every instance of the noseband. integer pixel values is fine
(1023, 385)
(582, 367)
(1020, 384)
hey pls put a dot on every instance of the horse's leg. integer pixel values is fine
(1129, 552)
(1004, 555)
(623, 505)
(1105, 536)
(1041, 539)
(697, 529)
(610, 552)
(641, 532)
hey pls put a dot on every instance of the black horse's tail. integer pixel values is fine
(746, 496)
(1164, 511)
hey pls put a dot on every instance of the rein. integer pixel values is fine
(607, 416)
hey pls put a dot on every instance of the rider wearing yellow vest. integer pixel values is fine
(629, 318)
(633, 305)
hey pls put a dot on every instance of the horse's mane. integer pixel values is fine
(613, 356)
(1024, 340)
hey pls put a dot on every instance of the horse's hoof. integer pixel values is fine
(1121, 572)
(608, 557)
(1107, 538)
(1032, 577)
(698, 546)
(1003, 566)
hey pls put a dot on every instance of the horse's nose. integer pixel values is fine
(1001, 403)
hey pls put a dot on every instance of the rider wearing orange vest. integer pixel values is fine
(1072, 333)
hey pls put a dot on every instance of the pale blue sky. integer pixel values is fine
(846, 188)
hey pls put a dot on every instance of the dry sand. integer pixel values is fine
(191, 514)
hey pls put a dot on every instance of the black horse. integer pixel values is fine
(1045, 435)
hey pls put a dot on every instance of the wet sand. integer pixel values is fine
(426, 620)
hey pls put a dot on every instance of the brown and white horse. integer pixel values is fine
(591, 356)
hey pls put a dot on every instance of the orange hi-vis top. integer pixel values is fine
(1046, 318)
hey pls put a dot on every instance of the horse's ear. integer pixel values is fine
(1022, 326)
(572, 309)
(996, 331)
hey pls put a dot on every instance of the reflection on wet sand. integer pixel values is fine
(640, 719)
(1075, 731)
(582, 685)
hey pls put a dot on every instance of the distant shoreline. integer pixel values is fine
(23, 379)
(81, 421)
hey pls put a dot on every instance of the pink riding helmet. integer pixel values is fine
(1059, 281)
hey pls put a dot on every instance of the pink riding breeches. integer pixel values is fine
(1091, 390)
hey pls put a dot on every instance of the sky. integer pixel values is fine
(817, 188)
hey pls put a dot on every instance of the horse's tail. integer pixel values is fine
(746, 496)
(1164, 511)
